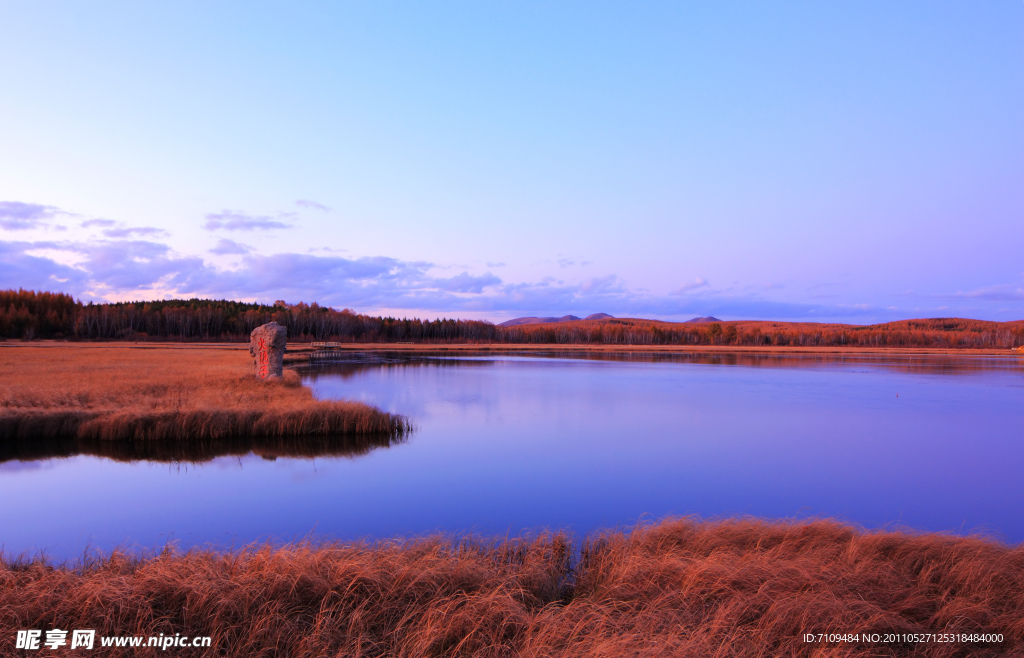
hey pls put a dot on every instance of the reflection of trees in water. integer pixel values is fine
(349, 364)
(901, 362)
(198, 450)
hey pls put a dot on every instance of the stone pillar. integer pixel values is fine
(266, 345)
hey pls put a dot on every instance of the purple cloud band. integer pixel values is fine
(226, 247)
(146, 269)
(236, 221)
(128, 232)
(18, 216)
(127, 262)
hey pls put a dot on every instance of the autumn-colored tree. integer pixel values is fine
(27, 315)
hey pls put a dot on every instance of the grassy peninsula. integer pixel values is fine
(125, 392)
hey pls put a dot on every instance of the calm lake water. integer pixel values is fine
(507, 444)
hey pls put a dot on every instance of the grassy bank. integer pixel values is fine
(115, 393)
(681, 587)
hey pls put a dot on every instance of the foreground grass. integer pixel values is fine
(681, 587)
(110, 393)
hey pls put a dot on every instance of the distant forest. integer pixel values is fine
(29, 315)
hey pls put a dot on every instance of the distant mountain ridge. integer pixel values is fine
(709, 318)
(565, 318)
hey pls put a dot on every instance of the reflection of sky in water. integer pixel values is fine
(503, 445)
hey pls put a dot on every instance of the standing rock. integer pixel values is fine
(266, 345)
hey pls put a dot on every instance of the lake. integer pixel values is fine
(506, 444)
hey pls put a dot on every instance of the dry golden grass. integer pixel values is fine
(678, 588)
(192, 393)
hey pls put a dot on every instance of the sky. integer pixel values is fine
(851, 161)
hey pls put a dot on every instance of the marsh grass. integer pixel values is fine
(679, 587)
(122, 393)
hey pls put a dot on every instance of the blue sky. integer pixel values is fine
(844, 161)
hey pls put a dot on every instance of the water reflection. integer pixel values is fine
(565, 440)
(348, 364)
(903, 362)
(932, 441)
(196, 451)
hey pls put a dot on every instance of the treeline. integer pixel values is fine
(31, 315)
(939, 333)
(28, 315)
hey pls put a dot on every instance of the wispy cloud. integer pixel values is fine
(18, 216)
(1004, 293)
(89, 223)
(21, 269)
(605, 285)
(225, 247)
(313, 205)
(690, 286)
(128, 231)
(466, 282)
(237, 221)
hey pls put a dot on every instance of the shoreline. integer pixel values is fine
(298, 348)
(669, 349)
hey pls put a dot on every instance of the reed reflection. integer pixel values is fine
(199, 450)
(349, 364)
